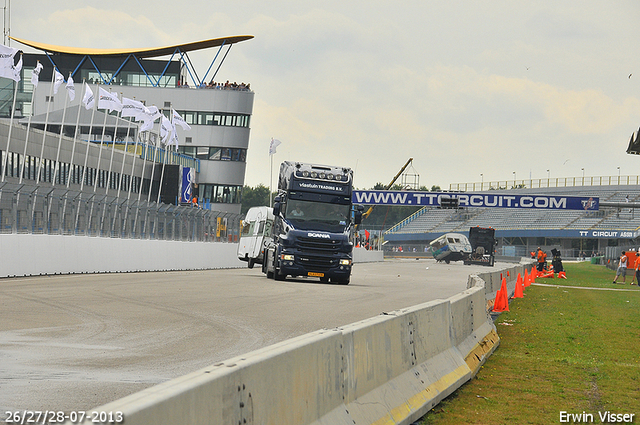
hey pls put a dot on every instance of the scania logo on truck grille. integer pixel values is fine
(318, 235)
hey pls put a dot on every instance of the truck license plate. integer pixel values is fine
(315, 274)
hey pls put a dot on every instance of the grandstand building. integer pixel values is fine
(520, 231)
(215, 147)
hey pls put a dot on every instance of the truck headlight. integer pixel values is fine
(345, 262)
(287, 257)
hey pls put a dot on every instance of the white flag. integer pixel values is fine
(7, 68)
(274, 144)
(177, 119)
(132, 108)
(108, 100)
(57, 82)
(35, 74)
(174, 137)
(148, 117)
(88, 100)
(71, 88)
(165, 129)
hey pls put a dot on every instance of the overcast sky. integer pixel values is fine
(463, 87)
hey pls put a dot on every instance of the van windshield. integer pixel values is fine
(309, 215)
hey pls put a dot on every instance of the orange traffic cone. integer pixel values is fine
(497, 303)
(534, 274)
(562, 275)
(519, 288)
(508, 275)
(527, 278)
(502, 298)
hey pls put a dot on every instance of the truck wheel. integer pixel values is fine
(278, 276)
(251, 262)
(324, 279)
(344, 281)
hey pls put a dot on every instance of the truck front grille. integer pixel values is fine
(311, 262)
(317, 244)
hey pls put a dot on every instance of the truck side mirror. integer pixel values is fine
(276, 208)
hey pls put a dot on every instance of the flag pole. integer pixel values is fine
(123, 159)
(113, 148)
(13, 112)
(155, 153)
(75, 138)
(271, 180)
(133, 163)
(165, 159)
(57, 163)
(26, 139)
(73, 151)
(44, 133)
(44, 136)
(95, 183)
(86, 156)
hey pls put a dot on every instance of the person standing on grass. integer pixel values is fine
(622, 268)
(636, 266)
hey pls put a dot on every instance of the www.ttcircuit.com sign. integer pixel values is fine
(478, 200)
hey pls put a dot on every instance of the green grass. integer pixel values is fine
(561, 349)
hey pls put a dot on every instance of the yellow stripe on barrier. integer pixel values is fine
(417, 401)
(478, 354)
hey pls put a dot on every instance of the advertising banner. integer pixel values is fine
(188, 175)
(477, 200)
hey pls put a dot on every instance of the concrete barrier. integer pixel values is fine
(389, 369)
(361, 255)
(33, 255)
(29, 255)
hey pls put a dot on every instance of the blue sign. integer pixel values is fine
(187, 179)
(476, 200)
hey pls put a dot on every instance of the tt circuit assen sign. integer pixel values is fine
(479, 200)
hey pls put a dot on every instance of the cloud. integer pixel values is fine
(99, 28)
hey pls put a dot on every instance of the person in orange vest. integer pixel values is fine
(542, 260)
(636, 266)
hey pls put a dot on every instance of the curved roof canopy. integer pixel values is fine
(140, 53)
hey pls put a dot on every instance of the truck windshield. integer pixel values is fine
(308, 215)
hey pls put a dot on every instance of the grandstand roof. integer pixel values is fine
(141, 52)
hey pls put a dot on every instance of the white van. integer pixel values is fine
(450, 247)
(256, 231)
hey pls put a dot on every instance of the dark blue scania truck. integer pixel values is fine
(313, 221)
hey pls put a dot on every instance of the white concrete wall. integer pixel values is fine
(361, 255)
(28, 255)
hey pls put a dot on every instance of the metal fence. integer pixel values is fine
(59, 211)
(547, 183)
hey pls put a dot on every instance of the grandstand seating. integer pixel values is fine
(436, 220)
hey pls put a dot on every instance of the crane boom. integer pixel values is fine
(387, 187)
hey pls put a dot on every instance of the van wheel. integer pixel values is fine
(251, 262)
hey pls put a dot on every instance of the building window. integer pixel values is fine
(221, 194)
(214, 153)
